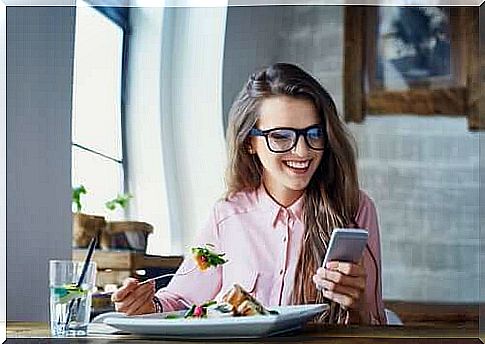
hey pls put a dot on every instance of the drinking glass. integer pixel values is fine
(70, 303)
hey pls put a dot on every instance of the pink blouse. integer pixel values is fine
(261, 240)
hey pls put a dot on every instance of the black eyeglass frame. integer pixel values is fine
(303, 132)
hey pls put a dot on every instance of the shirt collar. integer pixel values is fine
(267, 202)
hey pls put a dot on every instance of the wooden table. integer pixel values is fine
(431, 333)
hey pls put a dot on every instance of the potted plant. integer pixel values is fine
(84, 226)
(131, 235)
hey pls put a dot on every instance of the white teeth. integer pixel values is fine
(298, 164)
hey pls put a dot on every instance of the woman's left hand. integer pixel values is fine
(342, 282)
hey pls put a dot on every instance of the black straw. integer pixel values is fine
(87, 260)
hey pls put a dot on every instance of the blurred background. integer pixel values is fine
(134, 100)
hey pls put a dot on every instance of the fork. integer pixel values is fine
(157, 278)
(167, 275)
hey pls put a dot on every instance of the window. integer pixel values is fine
(97, 132)
(413, 60)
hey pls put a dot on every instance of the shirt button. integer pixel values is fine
(281, 271)
(284, 239)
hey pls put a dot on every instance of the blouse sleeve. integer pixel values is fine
(197, 286)
(367, 218)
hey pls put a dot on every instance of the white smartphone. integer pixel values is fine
(346, 245)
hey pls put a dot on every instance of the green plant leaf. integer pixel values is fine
(76, 196)
(120, 200)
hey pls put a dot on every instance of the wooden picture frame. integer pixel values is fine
(458, 96)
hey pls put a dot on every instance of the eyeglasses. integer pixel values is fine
(281, 140)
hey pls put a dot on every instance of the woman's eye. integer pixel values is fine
(281, 136)
(315, 133)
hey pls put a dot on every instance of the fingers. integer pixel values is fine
(346, 275)
(129, 285)
(346, 296)
(348, 269)
(140, 302)
(342, 282)
(344, 300)
(132, 297)
(132, 300)
(143, 305)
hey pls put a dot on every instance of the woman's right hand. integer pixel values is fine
(133, 299)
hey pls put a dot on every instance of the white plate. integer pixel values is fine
(289, 318)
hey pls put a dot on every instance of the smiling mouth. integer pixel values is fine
(298, 166)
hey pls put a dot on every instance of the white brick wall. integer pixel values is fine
(423, 174)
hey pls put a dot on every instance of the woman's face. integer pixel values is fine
(286, 175)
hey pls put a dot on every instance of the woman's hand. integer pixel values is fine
(134, 299)
(343, 283)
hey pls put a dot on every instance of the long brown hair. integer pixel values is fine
(332, 196)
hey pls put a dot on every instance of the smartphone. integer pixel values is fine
(346, 245)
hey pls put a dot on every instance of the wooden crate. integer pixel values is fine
(115, 266)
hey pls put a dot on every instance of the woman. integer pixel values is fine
(291, 179)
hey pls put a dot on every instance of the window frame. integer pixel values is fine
(361, 91)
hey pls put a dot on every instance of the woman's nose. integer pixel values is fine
(301, 148)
